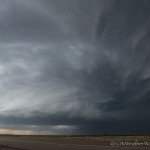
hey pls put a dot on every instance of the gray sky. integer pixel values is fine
(74, 66)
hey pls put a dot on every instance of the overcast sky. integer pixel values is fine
(75, 66)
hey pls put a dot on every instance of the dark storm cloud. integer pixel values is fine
(71, 66)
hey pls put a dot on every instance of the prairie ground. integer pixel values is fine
(23, 142)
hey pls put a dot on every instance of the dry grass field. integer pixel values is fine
(24, 142)
(78, 138)
(87, 138)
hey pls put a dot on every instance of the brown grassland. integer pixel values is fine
(81, 137)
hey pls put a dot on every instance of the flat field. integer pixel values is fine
(44, 142)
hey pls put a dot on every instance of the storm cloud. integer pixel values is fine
(75, 67)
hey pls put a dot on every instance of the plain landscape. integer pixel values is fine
(69, 142)
(74, 67)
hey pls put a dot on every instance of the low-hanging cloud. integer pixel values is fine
(74, 66)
